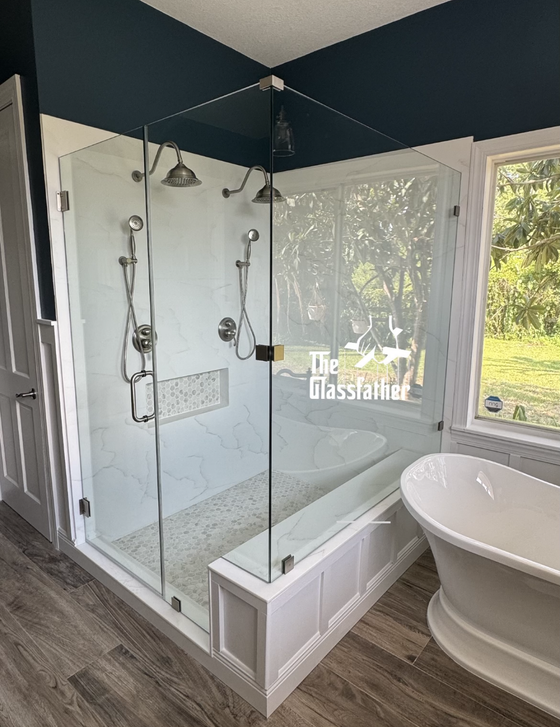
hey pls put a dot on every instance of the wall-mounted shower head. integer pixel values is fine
(264, 195)
(179, 176)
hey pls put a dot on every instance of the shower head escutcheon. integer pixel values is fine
(179, 176)
(264, 196)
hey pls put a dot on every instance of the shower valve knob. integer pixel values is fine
(227, 329)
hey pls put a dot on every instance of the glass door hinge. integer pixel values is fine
(440, 426)
(62, 201)
(456, 210)
(269, 353)
(85, 507)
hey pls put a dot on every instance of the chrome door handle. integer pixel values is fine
(133, 379)
(27, 395)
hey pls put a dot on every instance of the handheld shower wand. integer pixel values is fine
(243, 267)
(142, 344)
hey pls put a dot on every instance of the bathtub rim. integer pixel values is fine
(465, 542)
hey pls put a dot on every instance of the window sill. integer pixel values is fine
(503, 438)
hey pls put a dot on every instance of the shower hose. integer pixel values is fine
(243, 267)
(129, 284)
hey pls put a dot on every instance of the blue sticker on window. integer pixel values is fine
(493, 403)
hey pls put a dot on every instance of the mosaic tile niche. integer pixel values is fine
(189, 395)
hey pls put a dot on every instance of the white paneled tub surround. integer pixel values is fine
(495, 535)
(267, 637)
(325, 456)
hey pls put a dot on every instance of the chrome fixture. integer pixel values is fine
(142, 338)
(141, 334)
(283, 136)
(179, 176)
(227, 329)
(264, 195)
(133, 381)
(243, 267)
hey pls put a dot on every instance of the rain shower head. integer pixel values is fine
(264, 195)
(179, 176)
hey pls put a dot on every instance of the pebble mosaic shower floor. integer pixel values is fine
(198, 535)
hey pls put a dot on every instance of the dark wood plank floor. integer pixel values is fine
(72, 654)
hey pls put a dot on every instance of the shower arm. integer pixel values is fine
(138, 176)
(227, 192)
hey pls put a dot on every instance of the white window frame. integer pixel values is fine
(470, 313)
(381, 168)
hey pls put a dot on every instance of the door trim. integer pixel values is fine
(11, 95)
(61, 137)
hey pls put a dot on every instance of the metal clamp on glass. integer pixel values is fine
(133, 380)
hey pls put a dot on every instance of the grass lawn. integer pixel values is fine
(519, 372)
(522, 372)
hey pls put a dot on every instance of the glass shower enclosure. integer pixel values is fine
(260, 296)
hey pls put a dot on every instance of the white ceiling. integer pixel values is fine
(276, 31)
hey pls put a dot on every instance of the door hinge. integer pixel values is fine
(456, 210)
(269, 353)
(62, 201)
(176, 603)
(440, 426)
(85, 507)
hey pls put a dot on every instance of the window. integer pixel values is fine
(520, 365)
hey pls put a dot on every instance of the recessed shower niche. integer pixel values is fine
(331, 248)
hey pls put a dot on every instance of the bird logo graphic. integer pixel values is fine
(391, 354)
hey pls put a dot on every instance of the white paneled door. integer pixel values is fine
(22, 459)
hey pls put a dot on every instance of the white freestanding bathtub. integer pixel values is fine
(495, 536)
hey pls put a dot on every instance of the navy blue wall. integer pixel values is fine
(118, 64)
(113, 64)
(17, 56)
(484, 68)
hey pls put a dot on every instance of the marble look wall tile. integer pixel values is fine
(196, 237)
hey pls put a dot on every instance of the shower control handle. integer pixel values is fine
(133, 381)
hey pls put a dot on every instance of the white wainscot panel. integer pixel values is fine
(341, 587)
(293, 622)
(499, 457)
(543, 470)
(407, 530)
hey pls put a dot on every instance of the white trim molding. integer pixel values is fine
(469, 308)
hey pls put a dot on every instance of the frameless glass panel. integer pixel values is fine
(105, 234)
(211, 268)
(363, 249)
(519, 380)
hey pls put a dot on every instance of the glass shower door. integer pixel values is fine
(210, 222)
(108, 286)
